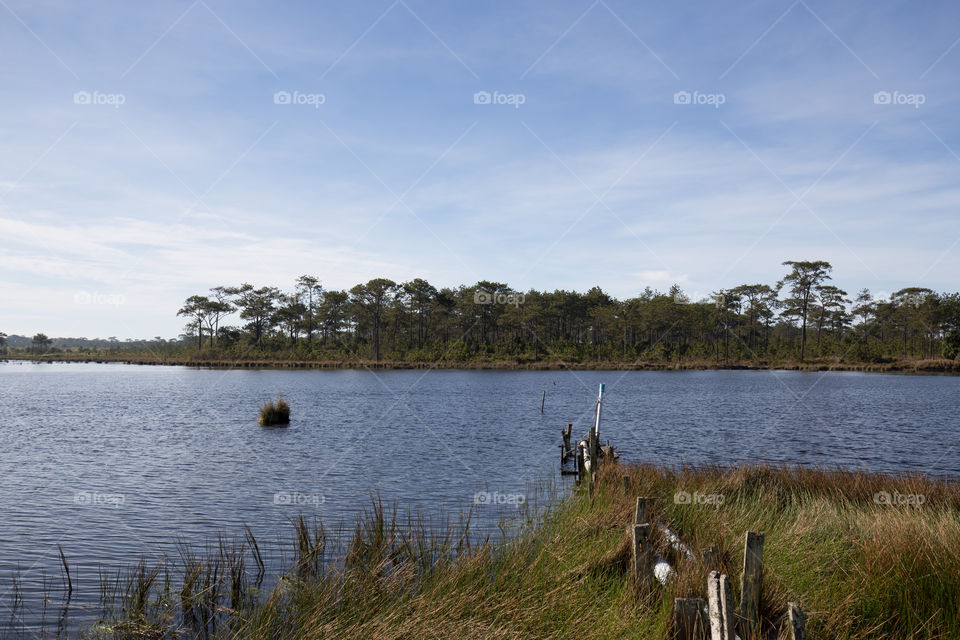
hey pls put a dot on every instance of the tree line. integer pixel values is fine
(800, 316)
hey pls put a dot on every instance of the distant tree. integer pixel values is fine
(951, 346)
(802, 281)
(196, 308)
(290, 315)
(370, 299)
(913, 313)
(228, 337)
(864, 309)
(41, 343)
(830, 299)
(421, 295)
(256, 306)
(333, 313)
(728, 307)
(309, 292)
(217, 308)
(3, 342)
(758, 305)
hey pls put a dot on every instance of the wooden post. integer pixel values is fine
(565, 433)
(642, 557)
(721, 607)
(688, 619)
(594, 439)
(595, 454)
(543, 399)
(626, 483)
(640, 515)
(798, 622)
(726, 604)
(580, 469)
(750, 583)
(596, 426)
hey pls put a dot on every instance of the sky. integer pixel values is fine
(152, 151)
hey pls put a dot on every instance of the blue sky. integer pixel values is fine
(148, 156)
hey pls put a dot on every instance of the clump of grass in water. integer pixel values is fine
(275, 413)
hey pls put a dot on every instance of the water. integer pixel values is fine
(116, 461)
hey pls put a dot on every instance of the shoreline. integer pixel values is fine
(928, 366)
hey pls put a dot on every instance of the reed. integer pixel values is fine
(864, 566)
(275, 413)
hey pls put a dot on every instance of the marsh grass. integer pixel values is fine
(861, 569)
(275, 413)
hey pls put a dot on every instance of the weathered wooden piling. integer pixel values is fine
(798, 622)
(720, 598)
(642, 557)
(543, 399)
(640, 515)
(688, 618)
(581, 472)
(751, 581)
(593, 440)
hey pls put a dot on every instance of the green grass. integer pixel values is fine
(859, 569)
(274, 413)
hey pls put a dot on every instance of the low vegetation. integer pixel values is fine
(867, 555)
(275, 413)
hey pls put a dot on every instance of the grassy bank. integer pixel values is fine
(934, 365)
(860, 566)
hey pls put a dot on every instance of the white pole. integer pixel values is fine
(596, 427)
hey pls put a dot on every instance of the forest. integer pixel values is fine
(800, 317)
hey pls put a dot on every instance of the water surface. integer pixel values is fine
(117, 461)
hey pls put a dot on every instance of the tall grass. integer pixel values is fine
(274, 413)
(861, 569)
